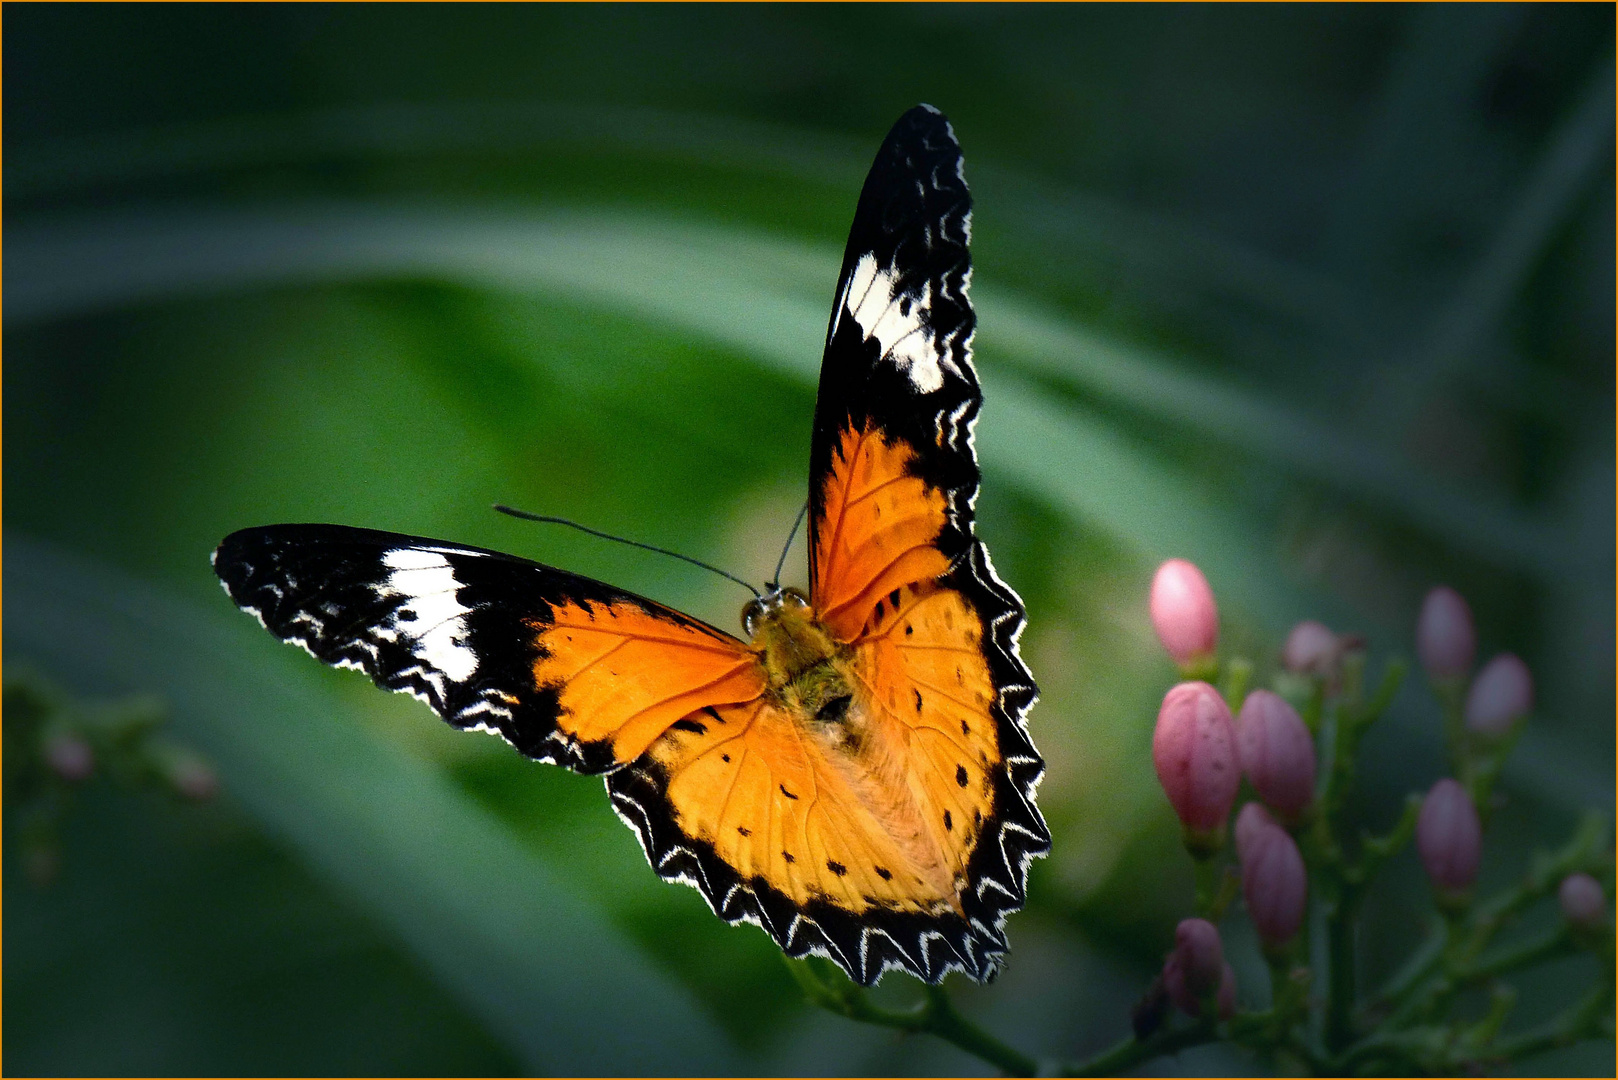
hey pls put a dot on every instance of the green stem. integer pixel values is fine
(1451, 694)
(1340, 921)
(935, 1015)
(1549, 946)
(946, 1022)
(1130, 1053)
(1585, 1019)
(1421, 965)
(1375, 850)
(1415, 1050)
(1208, 875)
(1238, 673)
(1393, 677)
(1501, 1001)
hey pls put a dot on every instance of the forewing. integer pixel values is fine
(892, 472)
(566, 669)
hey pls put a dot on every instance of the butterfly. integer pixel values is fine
(856, 776)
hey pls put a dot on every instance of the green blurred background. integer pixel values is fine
(1320, 297)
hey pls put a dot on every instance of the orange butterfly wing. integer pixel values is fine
(624, 672)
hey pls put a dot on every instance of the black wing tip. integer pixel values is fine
(923, 125)
(233, 546)
(922, 114)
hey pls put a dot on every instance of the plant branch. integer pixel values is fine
(1549, 946)
(935, 1015)
(1340, 920)
(1131, 1052)
(1585, 1019)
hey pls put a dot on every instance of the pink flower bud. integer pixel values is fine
(1449, 837)
(1445, 639)
(1502, 692)
(1583, 902)
(1183, 611)
(1249, 823)
(70, 757)
(1194, 749)
(1277, 752)
(1197, 968)
(1311, 648)
(1275, 884)
(1202, 956)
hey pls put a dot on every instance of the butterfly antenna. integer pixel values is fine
(526, 516)
(775, 579)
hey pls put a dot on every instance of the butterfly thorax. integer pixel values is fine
(799, 655)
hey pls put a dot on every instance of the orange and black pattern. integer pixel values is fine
(568, 670)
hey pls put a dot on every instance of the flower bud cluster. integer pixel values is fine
(1201, 752)
(1501, 694)
(64, 744)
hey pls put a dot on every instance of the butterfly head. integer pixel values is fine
(777, 603)
(787, 635)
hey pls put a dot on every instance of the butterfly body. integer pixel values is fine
(857, 776)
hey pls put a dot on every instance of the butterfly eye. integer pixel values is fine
(752, 612)
(794, 598)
